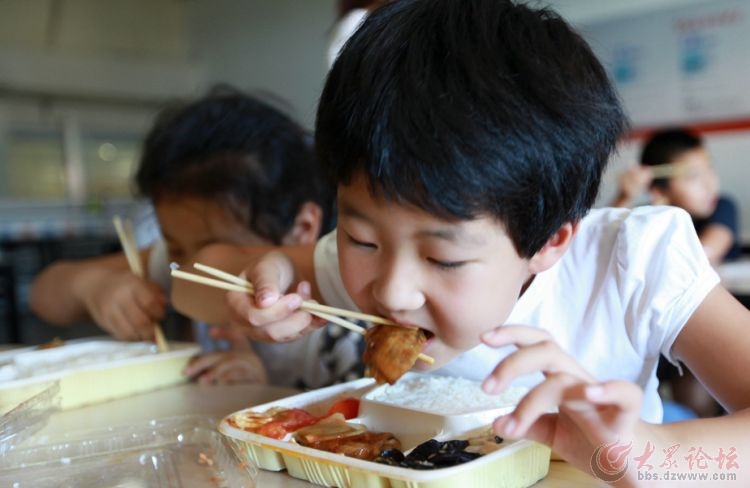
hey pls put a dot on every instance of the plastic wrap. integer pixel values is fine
(174, 452)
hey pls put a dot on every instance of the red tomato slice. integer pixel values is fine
(348, 407)
(287, 421)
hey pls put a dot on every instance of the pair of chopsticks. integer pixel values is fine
(235, 283)
(127, 241)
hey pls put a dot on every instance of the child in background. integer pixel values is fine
(693, 186)
(468, 150)
(226, 168)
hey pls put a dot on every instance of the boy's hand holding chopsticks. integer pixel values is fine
(284, 317)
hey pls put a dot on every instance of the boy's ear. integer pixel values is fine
(306, 227)
(554, 249)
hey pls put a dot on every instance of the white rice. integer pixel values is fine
(443, 395)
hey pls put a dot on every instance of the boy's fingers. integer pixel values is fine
(244, 316)
(125, 327)
(289, 327)
(239, 369)
(542, 399)
(623, 394)
(278, 312)
(150, 303)
(518, 335)
(545, 356)
(201, 363)
(304, 290)
(272, 275)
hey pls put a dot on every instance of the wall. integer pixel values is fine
(277, 46)
(124, 50)
(684, 66)
(74, 71)
(589, 11)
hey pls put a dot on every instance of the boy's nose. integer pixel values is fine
(397, 289)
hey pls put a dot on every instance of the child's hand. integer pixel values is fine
(590, 413)
(269, 315)
(632, 183)
(240, 364)
(126, 306)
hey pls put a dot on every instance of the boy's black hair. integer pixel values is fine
(665, 146)
(240, 151)
(472, 108)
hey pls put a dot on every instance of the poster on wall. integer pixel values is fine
(679, 65)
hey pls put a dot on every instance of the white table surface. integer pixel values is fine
(218, 401)
(735, 276)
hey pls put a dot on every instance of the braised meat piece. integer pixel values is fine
(367, 445)
(391, 351)
(334, 434)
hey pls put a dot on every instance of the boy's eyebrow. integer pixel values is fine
(349, 211)
(453, 235)
(446, 234)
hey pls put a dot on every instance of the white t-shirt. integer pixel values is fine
(615, 301)
(342, 31)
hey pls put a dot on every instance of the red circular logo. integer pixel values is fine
(610, 461)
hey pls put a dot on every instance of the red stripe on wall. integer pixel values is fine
(699, 127)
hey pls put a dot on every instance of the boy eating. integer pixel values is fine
(467, 141)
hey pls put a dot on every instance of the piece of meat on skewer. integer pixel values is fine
(391, 351)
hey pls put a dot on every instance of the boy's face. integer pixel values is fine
(696, 187)
(188, 224)
(455, 280)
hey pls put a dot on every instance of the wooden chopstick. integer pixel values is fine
(235, 283)
(667, 170)
(247, 288)
(127, 241)
(306, 305)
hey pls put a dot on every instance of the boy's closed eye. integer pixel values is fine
(446, 265)
(359, 243)
(442, 264)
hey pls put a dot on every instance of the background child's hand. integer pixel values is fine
(589, 413)
(269, 315)
(633, 183)
(240, 364)
(126, 306)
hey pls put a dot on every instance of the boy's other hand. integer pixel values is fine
(588, 414)
(270, 315)
(240, 364)
(126, 306)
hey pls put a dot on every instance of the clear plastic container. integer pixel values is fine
(173, 452)
(29, 416)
